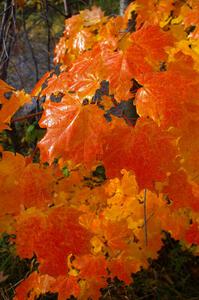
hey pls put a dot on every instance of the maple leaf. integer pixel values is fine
(151, 43)
(38, 87)
(54, 85)
(40, 230)
(180, 191)
(183, 59)
(82, 41)
(29, 222)
(137, 54)
(146, 149)
(91, 266)
(123, 205)
(153, 153)
(66, 287)
(92, 273)
(4, 88)
(63, 49)
(83, 77)
(192, 234)
(86, 73)
(23, 185)
(93, 16)
(11, 166)
(74, 131)
(81, 33)
(154, 98)
(117, 148)
(191, 17)
(177, 225)
(189, 148)
(9, 108)
(33, 286)
(60, 53)
(152, 12)
(35, 186)
(116, 234)
(110, 32)
(91, 288)
(122, 268)
(119, 74)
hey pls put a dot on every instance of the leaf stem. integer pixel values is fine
(145, 219)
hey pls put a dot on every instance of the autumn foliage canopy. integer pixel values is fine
(124, 95)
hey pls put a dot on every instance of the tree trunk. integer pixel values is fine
(123, 5)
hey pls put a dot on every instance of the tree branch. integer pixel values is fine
(27, 117)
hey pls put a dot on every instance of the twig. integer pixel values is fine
(65, 7)
(58, 10)
(145, 220)
(3, 295)
(27, 117)
(148, 219)
(85, 2)
(34, 152)
(5, 10)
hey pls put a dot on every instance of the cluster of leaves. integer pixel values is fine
(124, 97)
(173, 275)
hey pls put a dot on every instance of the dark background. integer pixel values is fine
(29, 31)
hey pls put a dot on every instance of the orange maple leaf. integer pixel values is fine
(74, 131)
(33, 286)
(164, 97)
(119, 73)
(9, 108)
(65, 287)
(152, 42)
(57, 230)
